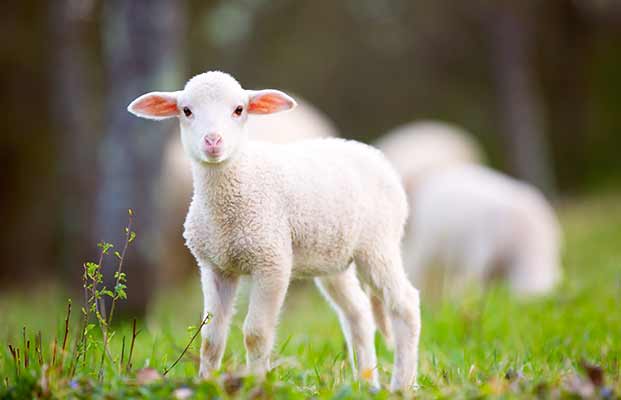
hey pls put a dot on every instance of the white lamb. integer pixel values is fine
(276, 212)
(175, 261)
(478, 224)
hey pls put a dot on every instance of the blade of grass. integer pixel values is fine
(54, 353)
(26, 348)
(15, 360)
(38, 345)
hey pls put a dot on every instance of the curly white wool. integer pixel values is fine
(175, 261)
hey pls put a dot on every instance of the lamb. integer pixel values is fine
(176, 263)
(282, 211)
(479, 224)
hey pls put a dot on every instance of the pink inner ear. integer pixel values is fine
(268, 103)
(157, 106)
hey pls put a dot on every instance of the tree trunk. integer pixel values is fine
(568, 69)
(142, 53)
(519, 100)
(73, 107)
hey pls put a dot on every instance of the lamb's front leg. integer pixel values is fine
(219, 298)
(266, 298)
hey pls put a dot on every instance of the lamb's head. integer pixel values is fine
(212, 111)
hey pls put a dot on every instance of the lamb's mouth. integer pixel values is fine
(213, 158)
(213, 154)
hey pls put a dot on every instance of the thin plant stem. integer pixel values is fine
(122, 354)
(198, 330)
(54, 352)
(66, 335)
(128, 232)
(81, 343)
(131, 347)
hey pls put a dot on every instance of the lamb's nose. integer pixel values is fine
(212, 139)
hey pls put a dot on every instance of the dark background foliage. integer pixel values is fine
(536, 82)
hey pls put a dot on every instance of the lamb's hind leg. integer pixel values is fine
(382, 270)
(381, 320)
(352, 305)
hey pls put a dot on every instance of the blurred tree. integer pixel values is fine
(565, 54)
(73, 76)
(28, 200)
(143, 52)
(510, 27)
(579, 45)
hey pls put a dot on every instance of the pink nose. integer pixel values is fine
(212, 139)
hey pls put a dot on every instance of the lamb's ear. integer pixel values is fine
(155, 105)
(269, 101)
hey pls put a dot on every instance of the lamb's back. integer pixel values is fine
(335, 194)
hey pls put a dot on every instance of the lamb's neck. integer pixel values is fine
(215, 182)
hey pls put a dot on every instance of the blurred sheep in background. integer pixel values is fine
(479, 224)
(176, 262)
(421, 148)
(467, 223)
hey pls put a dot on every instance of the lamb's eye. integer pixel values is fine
(238, 111)
(187, 111)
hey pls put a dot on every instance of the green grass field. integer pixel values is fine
(484, 345)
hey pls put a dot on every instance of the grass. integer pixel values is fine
(484, 345)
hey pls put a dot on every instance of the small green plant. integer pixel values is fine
(95, 295)
(93, 314)
(75, 363)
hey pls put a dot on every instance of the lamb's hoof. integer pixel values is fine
(375, 389)
(205, 374)
(389, 341)
(397, 388)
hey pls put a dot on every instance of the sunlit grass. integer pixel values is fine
(483, 344)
